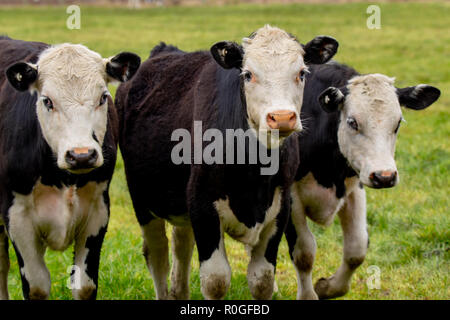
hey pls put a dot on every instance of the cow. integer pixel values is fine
(58, 145)
(351, 124)
(255, 86)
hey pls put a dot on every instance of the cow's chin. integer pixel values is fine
(270, 143)
(80, 171)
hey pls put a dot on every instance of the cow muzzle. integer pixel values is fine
(81, 159)
(283, 120)
(383, 179)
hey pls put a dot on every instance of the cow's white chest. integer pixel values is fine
(238, 230)
(57, 214)
(320, 204)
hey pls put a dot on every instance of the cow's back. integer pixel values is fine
(157, 101)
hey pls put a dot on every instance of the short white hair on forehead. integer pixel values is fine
(271, 41)
(371, 83)
(68, 61)
(375, 90)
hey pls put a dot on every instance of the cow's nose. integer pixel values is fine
(283, 120)
(383, 179)
(81, 158)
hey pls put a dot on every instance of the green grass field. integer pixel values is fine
(409, 225)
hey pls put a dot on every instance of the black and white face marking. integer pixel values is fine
(369, 122)
(72, 106)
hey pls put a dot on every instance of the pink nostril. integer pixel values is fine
(284, 120)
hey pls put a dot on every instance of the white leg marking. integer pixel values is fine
(215, 274)
(260, 272)
(91, 199)
(30, 247)
(182, 248)
(156, 252)
(304, 251)
(353, 222)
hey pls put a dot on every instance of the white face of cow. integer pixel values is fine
(369, 121)
(274, 78)
(73, 98)
(273, 66)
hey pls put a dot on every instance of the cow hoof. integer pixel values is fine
(327, 289)
(38, 294)
(214, 287)
(179, 295)
(311, 295)
(85, 293)
(261, 287)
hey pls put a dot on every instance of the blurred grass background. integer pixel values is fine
(409, 225)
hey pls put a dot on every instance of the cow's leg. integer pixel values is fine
(353, 222)
(29, 250)
(263, 256)
(88, 246)
(260, 272)
(215, 271)
(182, 248)
(302, 249)
(4, 263)
(156, 253)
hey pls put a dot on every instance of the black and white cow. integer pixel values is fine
(258, 85)
(58, 145)
(351, 123)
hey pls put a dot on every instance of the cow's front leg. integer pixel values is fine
(182, 248)
(261, 272)
(156, 253)
(353, 222)
(4, 264)
(87, 250)
(215, 271)
(263, 256)
(302, 249)
(30, 252)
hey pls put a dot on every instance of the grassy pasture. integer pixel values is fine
(409, 225)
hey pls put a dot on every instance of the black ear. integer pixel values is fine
(320, 49)
(331, 99)
(228, 54)
(21, 75)
(123, 66)
(418, 97)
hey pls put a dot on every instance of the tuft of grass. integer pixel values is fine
(408, 225)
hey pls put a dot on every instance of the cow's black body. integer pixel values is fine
(171, 91)
(319, 146)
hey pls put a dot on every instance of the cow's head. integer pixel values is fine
(273, 66)
(370, 117)
(72, 105)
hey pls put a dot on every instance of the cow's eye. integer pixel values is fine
(352, 123)
(104, 98)
(47, 103)
(398, 126)
(248, 76)
(301, 76)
